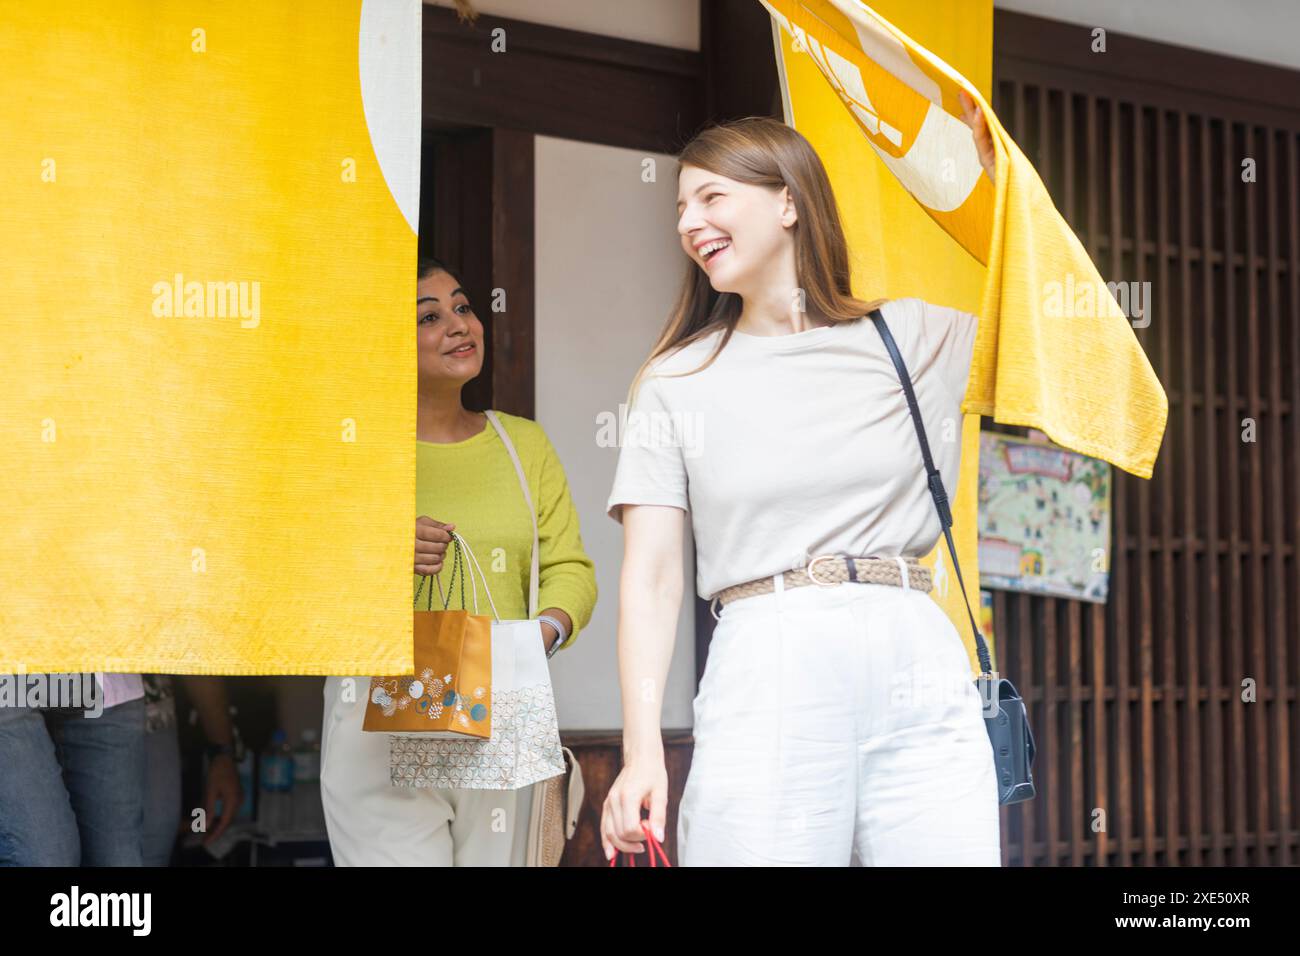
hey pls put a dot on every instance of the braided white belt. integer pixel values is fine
(826, 570)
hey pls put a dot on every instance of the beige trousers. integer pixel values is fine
(372, 823)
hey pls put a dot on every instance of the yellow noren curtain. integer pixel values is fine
(209, 383)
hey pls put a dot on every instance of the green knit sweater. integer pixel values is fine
(473, 485)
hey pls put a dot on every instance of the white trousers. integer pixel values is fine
(372, 823)
(839, 726)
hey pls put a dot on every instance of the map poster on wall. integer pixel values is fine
(1044, 519)
(986, 616)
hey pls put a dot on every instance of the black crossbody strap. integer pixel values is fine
(933, 478)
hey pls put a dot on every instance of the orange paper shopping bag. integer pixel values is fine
(450, 693)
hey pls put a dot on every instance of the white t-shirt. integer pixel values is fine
(791, 446)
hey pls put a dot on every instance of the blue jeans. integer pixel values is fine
(162, 799)
(71, 787)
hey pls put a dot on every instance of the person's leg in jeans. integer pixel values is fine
(162, 796)
(103, 770)
(37, 825)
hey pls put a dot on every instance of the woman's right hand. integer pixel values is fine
(641, 783)
(431, 540)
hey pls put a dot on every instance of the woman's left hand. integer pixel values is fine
(973, 116)
(549, 634)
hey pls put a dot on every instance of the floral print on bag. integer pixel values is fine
(430, 695)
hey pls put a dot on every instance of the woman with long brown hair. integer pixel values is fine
(837, 721)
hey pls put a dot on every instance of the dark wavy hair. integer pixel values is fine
(426, 265)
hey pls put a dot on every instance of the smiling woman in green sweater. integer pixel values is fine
(466, 482)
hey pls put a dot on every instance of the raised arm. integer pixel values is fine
(650, 600)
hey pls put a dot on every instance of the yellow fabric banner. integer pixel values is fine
(1054, 348)
(209, 238)
(883, 112)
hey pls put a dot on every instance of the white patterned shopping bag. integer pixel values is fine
(524, 747)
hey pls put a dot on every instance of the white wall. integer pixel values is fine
(608, 269)
(1264, 30)
(673, 23)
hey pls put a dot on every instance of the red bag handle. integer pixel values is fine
(653, 844)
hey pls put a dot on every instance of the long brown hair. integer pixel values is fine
(765, 152)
